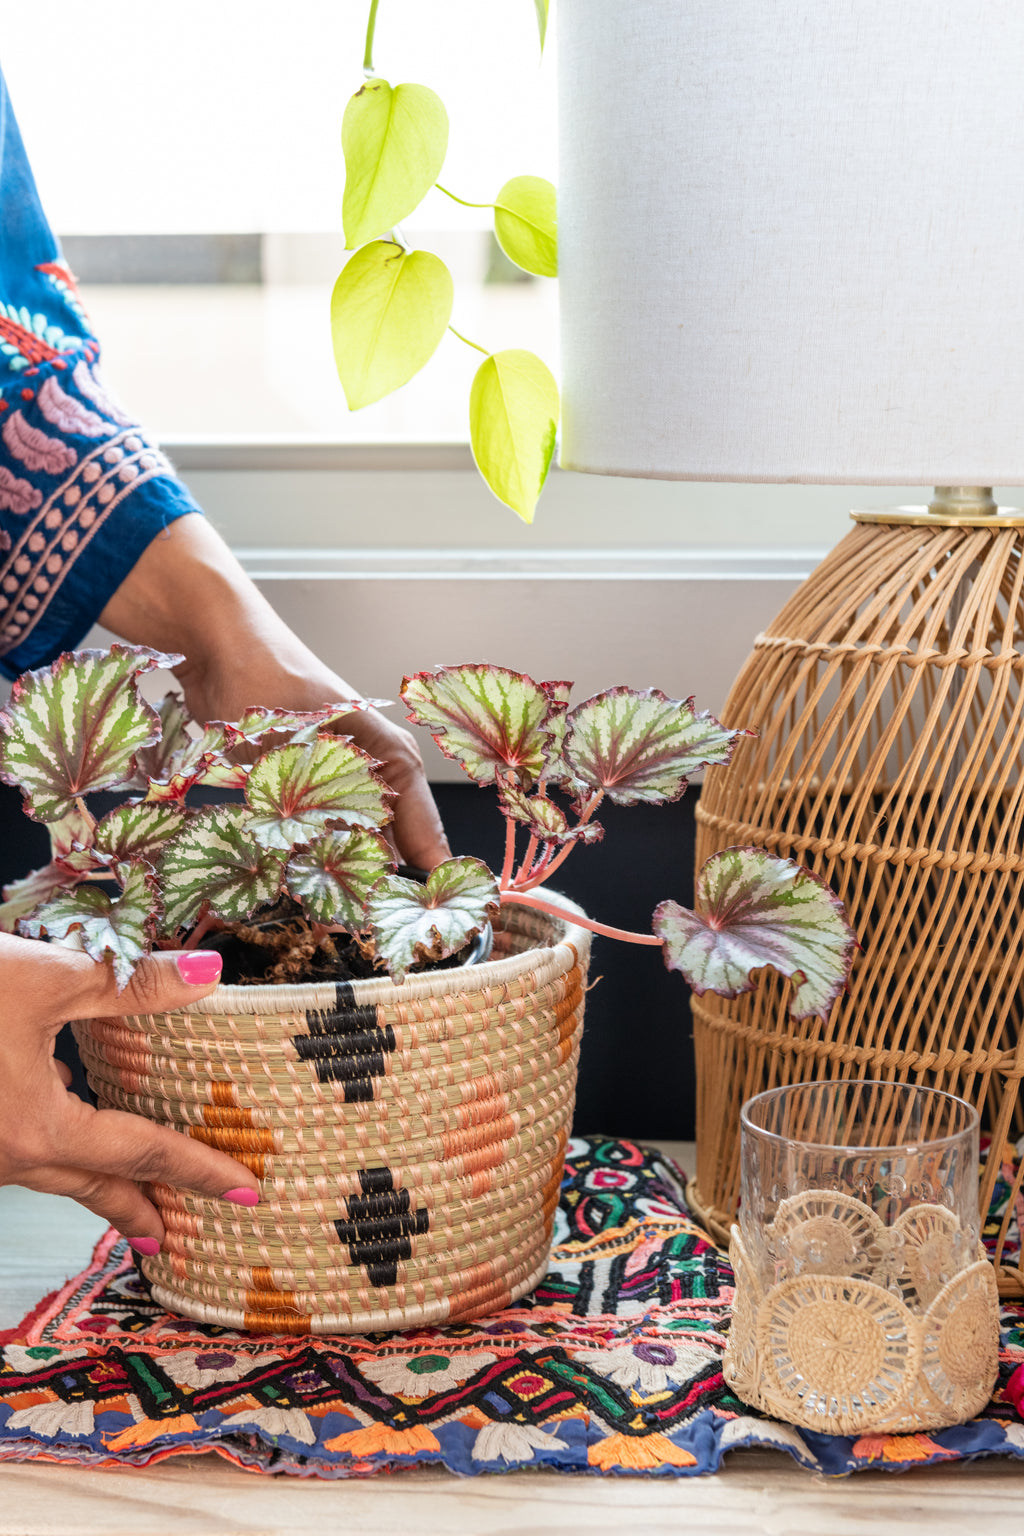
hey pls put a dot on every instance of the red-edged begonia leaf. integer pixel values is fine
(216, 859)
(90, 919)
(22, 897)
(413, 923)
(491, 720)
(153, 761)
(75, 830)
(546, 821)
(334, 875)
(295, 792)
(755, 910)
(76, 726)
(193, 763)
(259, 721)
(139, 831)
(641, 745)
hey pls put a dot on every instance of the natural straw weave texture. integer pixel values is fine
(887, 697)
(409, 1140)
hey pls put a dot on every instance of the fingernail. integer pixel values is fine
(199, 966)
(242, 1196)
(147, 1246)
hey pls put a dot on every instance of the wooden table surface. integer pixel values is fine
(44, 1240)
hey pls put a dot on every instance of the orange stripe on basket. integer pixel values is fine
(241, 1138)
(271, 1300)
(275, 1322)
(482, 1111)
(455, 1143)
(224, 1094)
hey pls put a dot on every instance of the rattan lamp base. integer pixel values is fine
(890, 759)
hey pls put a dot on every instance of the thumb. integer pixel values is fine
(162, 982)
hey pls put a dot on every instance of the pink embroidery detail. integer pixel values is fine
(36, 543)
(88, 381)
(70, 414)
(91, 473)
(34, 448)
(18, 496)
(53, 519)
(22, 565)
(72, 496)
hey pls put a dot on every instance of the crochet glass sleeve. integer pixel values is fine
(82, 489)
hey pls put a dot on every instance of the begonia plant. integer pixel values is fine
(308, 838)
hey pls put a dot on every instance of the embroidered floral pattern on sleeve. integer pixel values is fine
(69, 459)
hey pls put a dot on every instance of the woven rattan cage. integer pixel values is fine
(887, 697)
(409, 1140)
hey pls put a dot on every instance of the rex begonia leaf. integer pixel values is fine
(90, 919)
(755, 910)
(22, 897)
(216, 859)
(334, 875)
(139, 831)
(489, 719)
(192, 761)
(297, 792)
(412, 922)
(546, 821)
(526, 224)
(75, 830)
(394, 139)
(152, 762)
(642, 746)
(76, 726)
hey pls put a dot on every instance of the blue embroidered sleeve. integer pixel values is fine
(82, 491)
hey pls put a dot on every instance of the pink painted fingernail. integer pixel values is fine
(199, 966)
(242, 1196)
(147, 1246)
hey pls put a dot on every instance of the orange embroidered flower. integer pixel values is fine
(374, 1438)
(638, 1453)
(898, 1448)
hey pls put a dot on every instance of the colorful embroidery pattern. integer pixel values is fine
(72, 459)
(611, 1366)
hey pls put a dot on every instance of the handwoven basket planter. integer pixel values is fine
(409, 1140)
(887, 697)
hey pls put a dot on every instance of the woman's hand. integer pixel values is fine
(188, 593)
(49, 1139)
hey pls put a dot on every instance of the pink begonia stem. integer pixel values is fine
(550, 863)
(523, 900)
(526, 867)
(207, 923)
(510, 853)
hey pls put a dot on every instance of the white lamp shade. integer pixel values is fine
(792, 239)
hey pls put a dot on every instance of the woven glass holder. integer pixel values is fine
(409, 1139)
(864, 1301)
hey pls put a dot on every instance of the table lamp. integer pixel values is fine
(791, 241)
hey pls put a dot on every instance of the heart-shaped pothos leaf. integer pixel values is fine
(755, 910)
(334, 875)
(76, 726)
(413, 923)
(120, 926)
(546, 821)
(641, 745)
(216, 859)
(139, 831)
(490, 719)
(297, 792)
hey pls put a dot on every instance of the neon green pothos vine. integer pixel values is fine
(391, 304)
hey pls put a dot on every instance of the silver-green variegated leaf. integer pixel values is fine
(493, 721)
(193, 762)
(642, 746)
(152, 762)
(23, 897)
(139, 831)
(756, 910)
(333, 876)
(215, 859)
(296, 792)
(259, 722)
(413, 923)
(90, 919)
(546, 821)
(394, 140)
(76, 726)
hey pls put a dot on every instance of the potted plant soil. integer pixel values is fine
(406, 1111)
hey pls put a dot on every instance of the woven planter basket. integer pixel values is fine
(887, 695)
(409, 1140)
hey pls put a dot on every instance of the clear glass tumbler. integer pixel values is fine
(864, 1302)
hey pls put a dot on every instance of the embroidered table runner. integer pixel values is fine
(613, 1365)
